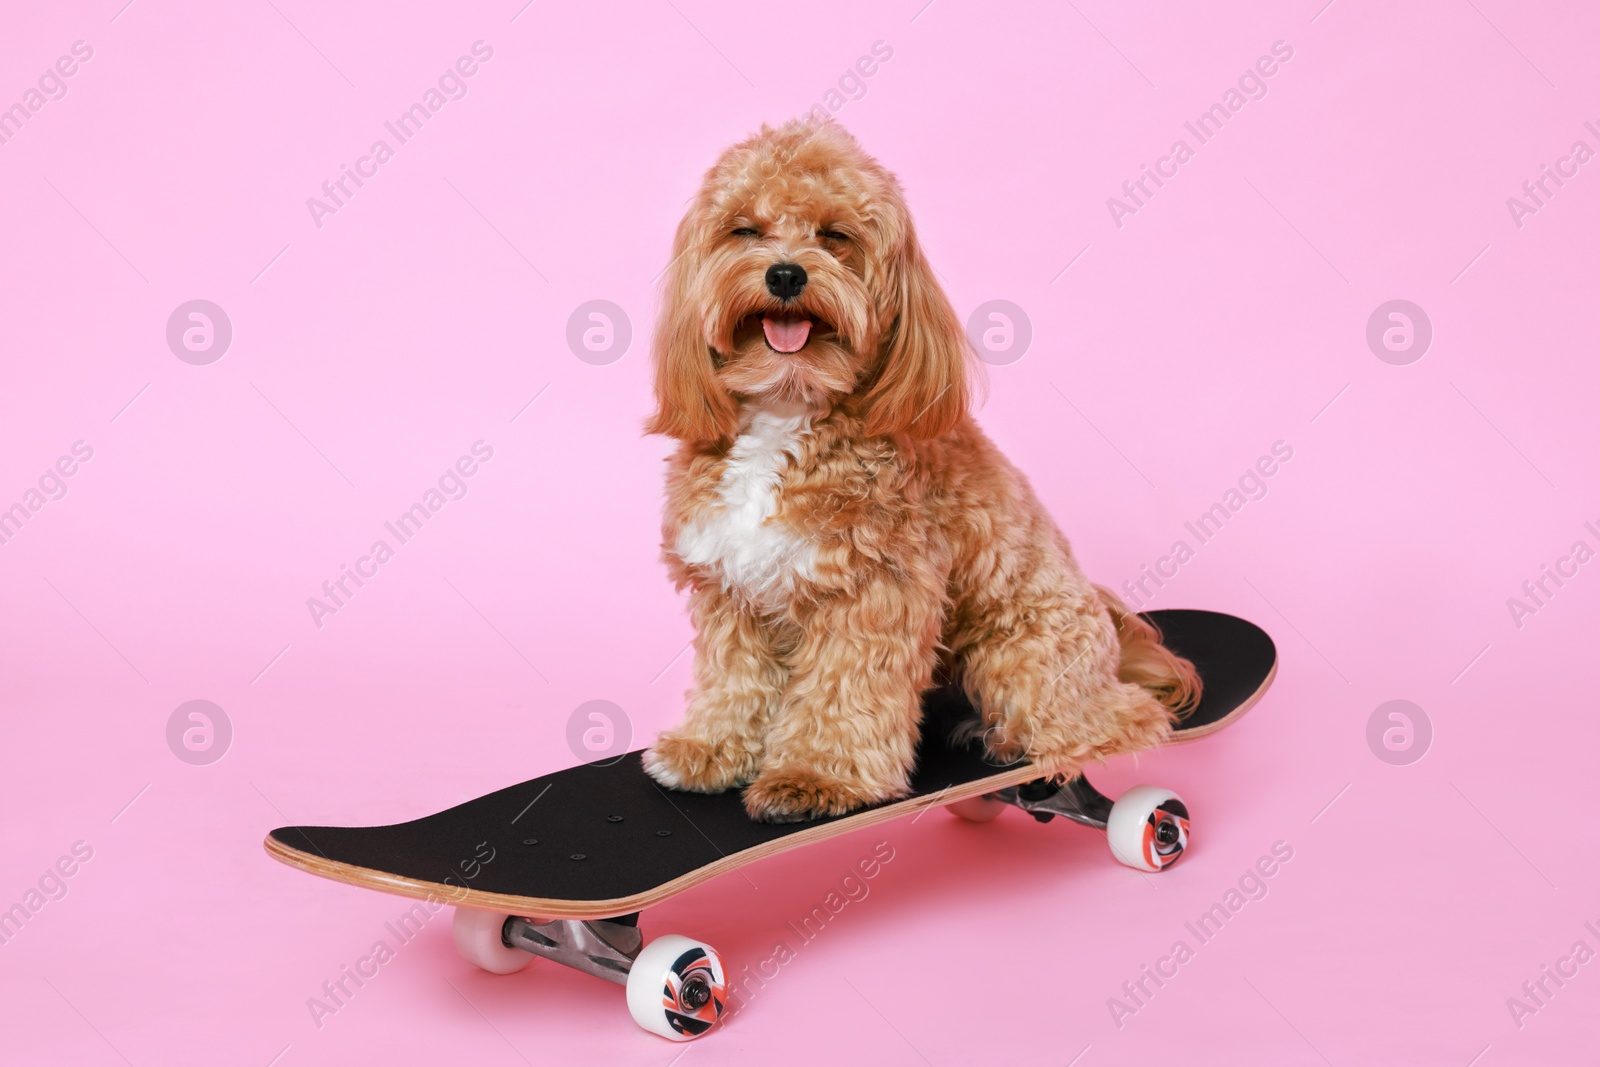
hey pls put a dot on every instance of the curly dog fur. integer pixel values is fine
(843, 526)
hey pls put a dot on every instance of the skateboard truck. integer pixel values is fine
(605, 948)
(1044, 800)
(677, 986)
(1147, 827)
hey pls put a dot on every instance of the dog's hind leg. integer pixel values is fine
(1042, 664)
(738, 682)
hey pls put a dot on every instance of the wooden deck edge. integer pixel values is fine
(1189, 736)
(540, 907)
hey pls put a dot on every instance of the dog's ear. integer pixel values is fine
(690, 404)
(921, 388)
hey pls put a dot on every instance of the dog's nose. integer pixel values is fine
(786, 280)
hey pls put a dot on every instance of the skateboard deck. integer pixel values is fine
(604, 840)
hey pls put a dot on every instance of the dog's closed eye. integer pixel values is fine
(833, 235)
(746, 231)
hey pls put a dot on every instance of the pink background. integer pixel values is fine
(1227, 314)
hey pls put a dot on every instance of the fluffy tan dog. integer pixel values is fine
(844, 527)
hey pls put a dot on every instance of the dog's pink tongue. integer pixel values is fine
(786, 335)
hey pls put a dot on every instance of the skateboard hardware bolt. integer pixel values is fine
(613, 818)
(530, 840)
(1166, 833)
(578, 856)
(695, 994)
(663, 833)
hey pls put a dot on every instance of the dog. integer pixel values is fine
(843, 527)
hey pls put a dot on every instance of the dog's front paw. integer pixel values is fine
(697, 766)
(796, 794)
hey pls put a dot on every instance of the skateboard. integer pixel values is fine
(560, 866)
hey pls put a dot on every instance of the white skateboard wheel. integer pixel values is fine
(976, 809)
(677, 988)
(1148, 828)
(478, 939)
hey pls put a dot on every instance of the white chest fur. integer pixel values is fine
(735, 538)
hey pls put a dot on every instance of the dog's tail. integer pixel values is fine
(1149, 664)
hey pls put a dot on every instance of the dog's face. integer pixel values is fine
(796, 276)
